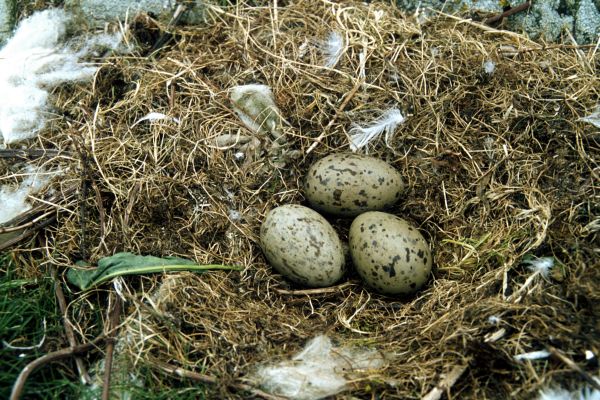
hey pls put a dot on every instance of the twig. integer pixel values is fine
(83, 155)
(349, 97)
(166, 35)
(102, 215)
(27, 233)
(113, 322)
(19, 384)
(7, 229)
(560, 47)
(211, 380)
(516, 296)
(62, 304)
(485, 28)
(332, 289)
(446, 383)
(584, 61)
(571, 364)
(32, 220)
(508, 13)
(31, 153)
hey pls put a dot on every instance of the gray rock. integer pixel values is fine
(542, 21)
(7, 18)
(98, 12)
(546, 19)
(587, 22)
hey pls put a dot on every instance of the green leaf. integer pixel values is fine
(131, 264)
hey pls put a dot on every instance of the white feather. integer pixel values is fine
(541, 265)
(533, 355)
(360, 136)
(362, 61)
(489, 67)
(332, 49)
(593, 118)
(156, 116)
(255, 106)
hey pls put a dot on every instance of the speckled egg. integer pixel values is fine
(348, 184)
(301, 245)
(388, 253)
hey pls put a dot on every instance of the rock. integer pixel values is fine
(546, 19)
(587, 22)
(98, 12)
(542, 21)
(7, 19)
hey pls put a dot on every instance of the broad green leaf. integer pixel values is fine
(131, 264)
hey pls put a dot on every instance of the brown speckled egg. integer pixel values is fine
(388, 253)
(301, 245)
(349, 184)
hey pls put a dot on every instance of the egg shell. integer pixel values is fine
(301, 245)
(349, 184)
(389, 254)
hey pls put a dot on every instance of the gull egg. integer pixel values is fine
(348, 184)
(301, 245)
(389, 254)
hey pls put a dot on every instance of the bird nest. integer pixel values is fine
(497, 162)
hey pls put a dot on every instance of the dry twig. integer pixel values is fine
(573, 366)
(446, 384)
(113, 323)
(508, 13)
(62, 304)
(19, 384)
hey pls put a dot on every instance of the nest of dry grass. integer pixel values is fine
(498, 166)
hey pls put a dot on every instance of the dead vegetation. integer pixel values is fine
(497, 164)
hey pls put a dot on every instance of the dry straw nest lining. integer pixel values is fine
(497, 166)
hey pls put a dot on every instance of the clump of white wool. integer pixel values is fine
(321, 369)
(14, 199)
(34, 61)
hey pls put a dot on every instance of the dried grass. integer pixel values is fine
(498, 166)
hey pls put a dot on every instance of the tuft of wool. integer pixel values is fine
(32, 63)
(360, 136)
(14, 200)
(320, 370)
